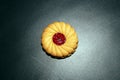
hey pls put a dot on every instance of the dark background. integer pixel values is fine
(97, 23)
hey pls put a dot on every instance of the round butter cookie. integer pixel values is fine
(59, 39)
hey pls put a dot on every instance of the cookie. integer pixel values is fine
(59, 39)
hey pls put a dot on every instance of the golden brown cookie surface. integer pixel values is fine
(59, 39)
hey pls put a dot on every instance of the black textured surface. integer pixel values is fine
(97, 23)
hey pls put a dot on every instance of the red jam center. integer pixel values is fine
(59, 38)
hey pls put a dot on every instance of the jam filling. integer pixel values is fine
(59, 38)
